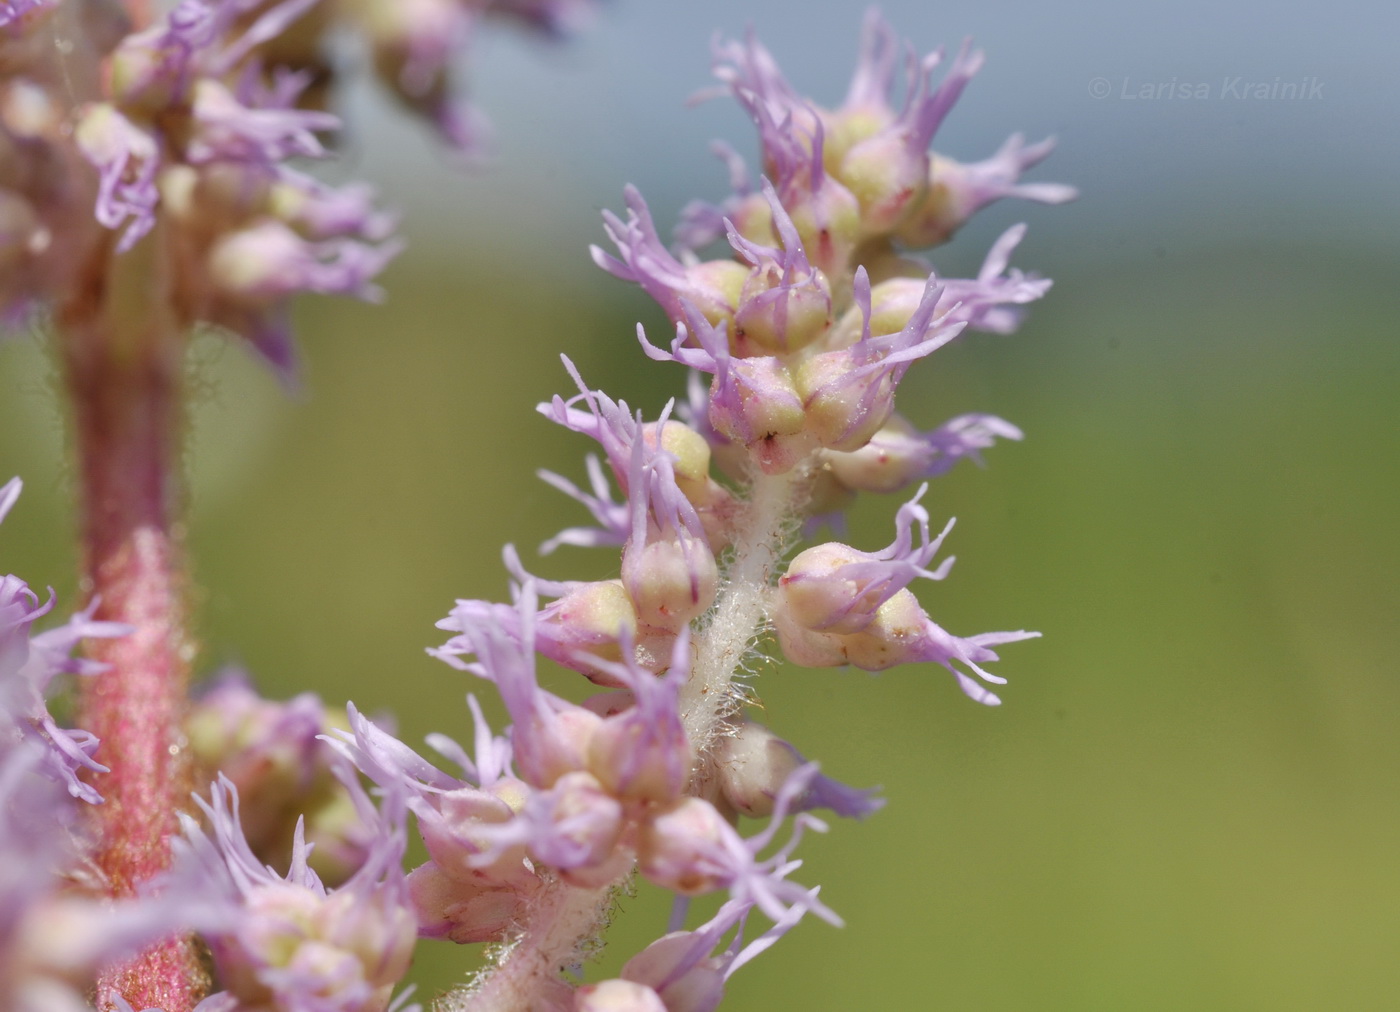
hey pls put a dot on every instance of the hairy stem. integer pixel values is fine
(740, 612)
(122, 355)
(558, 928)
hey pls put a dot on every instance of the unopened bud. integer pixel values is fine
(675, 848)
(617, 996)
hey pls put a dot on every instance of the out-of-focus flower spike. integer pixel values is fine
(12, 10)
(127, 160)
(269, 262)
(270, 23)
(294, 941)
(28, 665)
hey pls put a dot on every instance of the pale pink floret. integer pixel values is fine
(836, 588)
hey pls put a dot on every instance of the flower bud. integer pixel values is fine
(754, 763)
(807, 647)
(617, 996)
(817, 595)
(460, 911)
(893, 458)
(893, 637)
(684, 983)
(781, 318)
(545, 750)
(587, 823)
(670, 580)
(828, 220)
(676, 847)
(887, 177)
(845, 403)
(590, 621)
(453, 839)
(640, 757)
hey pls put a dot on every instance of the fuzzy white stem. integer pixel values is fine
(558, 928)
(740, 612)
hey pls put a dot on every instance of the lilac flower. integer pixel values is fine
(835, 588)
(709, 287)
(888, 167)
(643, 752)
(786, 303)
(549, 734)
(668, 568)
(990, 302)
(29, 664)
(609, 422)
(691, 849)
(958, 191)
(588, 622)
(682, 968)
(274, 755)
(848, 395)
(899, 454)
(53, 936)
(473, 887)
(754, 764)
(12, 10)
(753, 401)
(293, 945)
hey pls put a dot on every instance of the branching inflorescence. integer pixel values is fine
(796, 336)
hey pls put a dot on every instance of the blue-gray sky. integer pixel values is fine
(577, 121)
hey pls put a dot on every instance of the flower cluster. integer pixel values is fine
(186, 131)
(166, 197)
(804, 331)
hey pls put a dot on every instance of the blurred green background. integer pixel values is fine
(1191, 797)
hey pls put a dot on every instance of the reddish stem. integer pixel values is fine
(122, 352)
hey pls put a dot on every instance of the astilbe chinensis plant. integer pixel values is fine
(158, 188)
